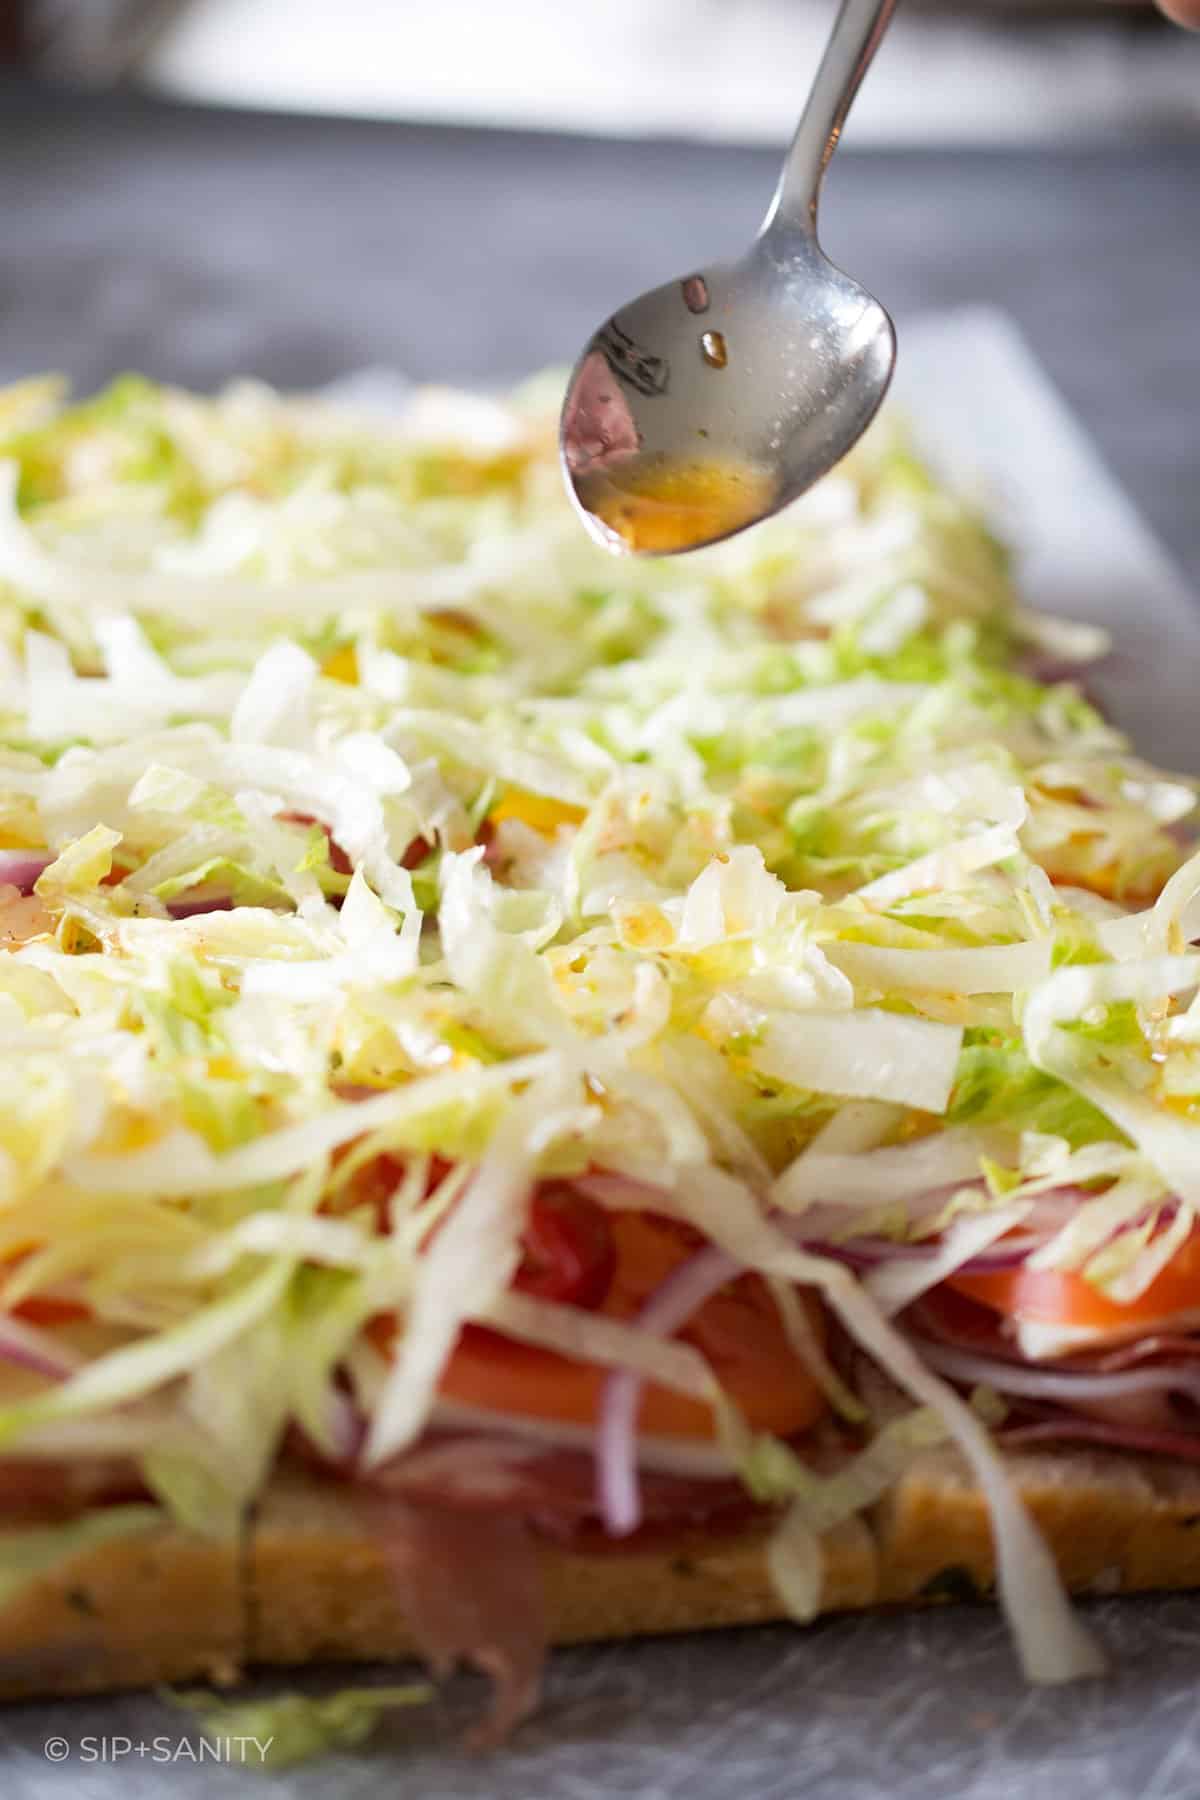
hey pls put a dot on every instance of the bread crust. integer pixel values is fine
(322, 1590)
(1116, 1524)
(310, 1584)
(161, 1605)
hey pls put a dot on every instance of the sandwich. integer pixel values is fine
(551, 1097)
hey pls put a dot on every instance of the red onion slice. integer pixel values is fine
(21, 868)
(192, 909)
(622, 1190)
(1063, 1387)
(1068, 1430)
(875, 1253)
(1163, 1344)
(670, 1306)
(25, 1347)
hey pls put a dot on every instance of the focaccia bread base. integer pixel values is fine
(309, 1584)
(161, 1605)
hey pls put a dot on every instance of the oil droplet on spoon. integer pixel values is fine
(713, 349)
(695, 294)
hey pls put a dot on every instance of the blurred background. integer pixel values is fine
(979, 71)
(460, 189)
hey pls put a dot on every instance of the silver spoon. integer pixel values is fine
(710, 403)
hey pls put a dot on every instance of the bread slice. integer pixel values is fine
(311, 1585)
(321, 1588)
(1116, 1524)
(159, 1606)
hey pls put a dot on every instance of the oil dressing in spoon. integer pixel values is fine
(675, 504)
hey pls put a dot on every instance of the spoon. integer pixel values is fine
(708, 404)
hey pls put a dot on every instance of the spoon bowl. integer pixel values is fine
(711, 402)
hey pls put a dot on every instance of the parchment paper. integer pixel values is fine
(899, 1707)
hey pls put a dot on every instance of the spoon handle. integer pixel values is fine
(856, 35)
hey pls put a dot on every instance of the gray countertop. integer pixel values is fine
(195, 245)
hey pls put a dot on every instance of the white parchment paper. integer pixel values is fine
(990, 417)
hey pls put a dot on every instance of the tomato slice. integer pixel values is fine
(738, 1330)
(416, 853)
(1061, 1297)
(376, 1181)
(569, 1253)
(42, 1309)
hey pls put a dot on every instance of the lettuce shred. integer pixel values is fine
(282, 1730)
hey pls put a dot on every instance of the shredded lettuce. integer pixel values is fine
(401, 852)
(819, 1503)
(285, 1729)
(997, 1083)
(1080, 1026)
